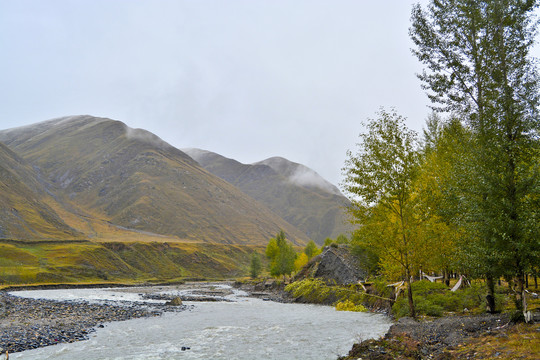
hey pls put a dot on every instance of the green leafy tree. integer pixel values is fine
(477, 62)
(438, 201)
(255, 267)
(281, 254)
(379, 180)
(328, 241)
(342, 239)
(311, 249)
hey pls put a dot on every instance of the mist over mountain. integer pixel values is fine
(293, 191)
(133, 180)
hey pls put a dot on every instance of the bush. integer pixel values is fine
(348, 305)
(318, 292)
(434, 299)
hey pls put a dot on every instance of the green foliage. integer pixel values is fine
(435, 299)
(272, 249)
(311, 249)
(348, 305)
(328, 241)
(368, 258)
(255, 267)
(478, 64)
(342, 239)
(380, 179)
(281, 254)
(318, 292)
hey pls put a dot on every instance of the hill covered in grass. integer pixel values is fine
(113, 182)
(24, 212)
(293, 191)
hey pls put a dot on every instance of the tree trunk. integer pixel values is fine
(535, 282)
(490, 298)
(521, 299)
(412, 311)
(446, 277)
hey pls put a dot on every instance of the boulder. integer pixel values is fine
(176, 301)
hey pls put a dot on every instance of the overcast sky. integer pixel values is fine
(246, 79)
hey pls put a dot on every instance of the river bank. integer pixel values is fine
(31, 323)
(455, 336)
(483, 336)
(238, 327)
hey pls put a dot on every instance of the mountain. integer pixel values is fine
(24, 212)
(134, 181)
(293, 191)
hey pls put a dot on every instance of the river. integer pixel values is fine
(240, 328)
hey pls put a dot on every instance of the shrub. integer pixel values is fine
(348, 305)
(434, 299)
(318, 292)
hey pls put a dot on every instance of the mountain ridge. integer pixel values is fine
(315, 206)
(133, 179)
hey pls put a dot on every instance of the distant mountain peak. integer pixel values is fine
(293, 191)
(299, 174)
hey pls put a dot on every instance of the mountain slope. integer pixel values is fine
(24, 213)
(293, 191)
(131, 178)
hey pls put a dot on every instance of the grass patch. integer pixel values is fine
(519, 341)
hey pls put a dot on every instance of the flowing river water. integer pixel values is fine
(240, 328)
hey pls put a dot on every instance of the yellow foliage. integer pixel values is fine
(300, 261)
(348, 305)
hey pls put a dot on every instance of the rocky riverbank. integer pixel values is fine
(446, 338)
(31, 323)
(268, 290)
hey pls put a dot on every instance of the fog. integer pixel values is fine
(246, 79)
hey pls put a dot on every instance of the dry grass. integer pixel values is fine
(519, 341)
(91, 262)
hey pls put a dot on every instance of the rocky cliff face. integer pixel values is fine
(335, 263)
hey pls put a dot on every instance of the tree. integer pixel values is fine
(342, 239)
(438, 202)
(379, 180)
(281, 254)
(301, 261)
(478, 64)
(255, 265)
(311, 249)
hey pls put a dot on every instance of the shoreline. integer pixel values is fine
(27, 324)
(444, 338)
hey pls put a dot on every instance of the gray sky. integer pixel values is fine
(246, 79)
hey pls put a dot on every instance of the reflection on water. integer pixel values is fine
(245, 329)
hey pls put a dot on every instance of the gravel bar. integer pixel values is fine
(32, 323)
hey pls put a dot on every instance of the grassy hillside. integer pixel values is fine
(24, 262)
(111, 179)
(24, 212)
(294, 192)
